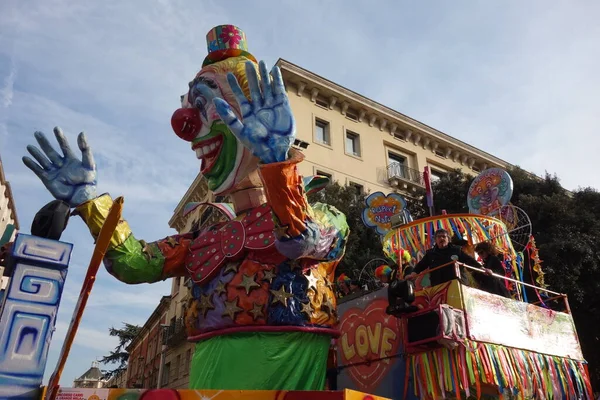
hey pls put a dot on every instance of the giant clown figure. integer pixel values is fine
(264, 311)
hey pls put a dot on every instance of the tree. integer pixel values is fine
(566, 227)
(364, 244)
(120, 355)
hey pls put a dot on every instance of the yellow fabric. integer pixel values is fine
(94, 213)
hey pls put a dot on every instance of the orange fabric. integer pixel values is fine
(285, 193)
(175, 253)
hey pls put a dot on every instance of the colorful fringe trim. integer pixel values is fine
(522, 374)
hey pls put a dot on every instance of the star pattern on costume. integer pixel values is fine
(147, 250)
(328, 304)
(257, 311)
(281, 232)
(248, 283)
(171, 241)
(307, 309)
(220, 288)
(232, 266)
(231, 308)
(205, 304)
(312, 279)
(280, 296)
(268, 275)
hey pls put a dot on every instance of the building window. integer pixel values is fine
(322, 132)
(397, 165)
(187, 366)
(321, 102)
(352, 115)
(360, 190)
(400, 136)
(440, 153)
(177, 363)
(166, 375)
(436, 175)
(352, 144)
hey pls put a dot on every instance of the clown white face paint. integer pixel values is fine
(225, 161)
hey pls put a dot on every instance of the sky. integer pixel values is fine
(516, 79)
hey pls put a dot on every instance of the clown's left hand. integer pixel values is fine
(267, 128)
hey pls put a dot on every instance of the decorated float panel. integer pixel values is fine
(441, 351)
(496, 319)
(171, 394)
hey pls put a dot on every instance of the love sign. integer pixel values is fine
(369, 337)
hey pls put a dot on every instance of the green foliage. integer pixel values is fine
(566, 227)
(363, 243)
(120, 355)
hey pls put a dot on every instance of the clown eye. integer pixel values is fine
(200, 102)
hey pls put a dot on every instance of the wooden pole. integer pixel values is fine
(102, 243)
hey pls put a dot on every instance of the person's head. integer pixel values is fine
(225, 161)
(354, 285)
(485, 249)
(441, 238)
(343, 281)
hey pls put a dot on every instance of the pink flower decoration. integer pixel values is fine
(230, 35)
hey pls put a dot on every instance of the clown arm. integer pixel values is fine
(318, 232)
(130, 260)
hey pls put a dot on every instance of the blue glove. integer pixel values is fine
(268, 128)
(67, 178)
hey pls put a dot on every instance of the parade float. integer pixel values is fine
(458, 341)
(264, 311)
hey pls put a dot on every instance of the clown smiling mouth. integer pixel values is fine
(208, 151)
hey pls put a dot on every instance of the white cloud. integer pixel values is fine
(6, 93)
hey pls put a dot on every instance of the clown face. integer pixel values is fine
(225, 161)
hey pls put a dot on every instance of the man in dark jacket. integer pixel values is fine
(442, 253)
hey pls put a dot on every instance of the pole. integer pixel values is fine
(163, 350)
(428, 190)
(102, 243)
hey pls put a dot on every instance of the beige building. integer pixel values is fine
(8, 223)
(348, 137)
(8, 212)
(93, 378)
(360, 142)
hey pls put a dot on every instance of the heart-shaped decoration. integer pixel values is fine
(369, 334)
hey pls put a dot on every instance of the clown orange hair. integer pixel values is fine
(235, 65)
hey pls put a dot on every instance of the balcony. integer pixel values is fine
(404, 178)
(175, 333)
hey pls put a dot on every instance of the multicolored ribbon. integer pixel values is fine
(521, 373)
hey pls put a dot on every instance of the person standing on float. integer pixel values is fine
(264, 311)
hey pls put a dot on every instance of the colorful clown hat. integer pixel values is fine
(343, 278)
(383, 270)
(226, 41)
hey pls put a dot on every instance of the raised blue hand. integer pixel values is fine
(67, 178)
(268, 127)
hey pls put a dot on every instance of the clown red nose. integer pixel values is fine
(186, 123)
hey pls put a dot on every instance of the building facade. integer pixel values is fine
(146, 351)
(357, 141)
(9, 225)
(93, 378)
(8, 211)
(118, 380)
(347, 137)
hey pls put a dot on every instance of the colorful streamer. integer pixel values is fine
(519, 372)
